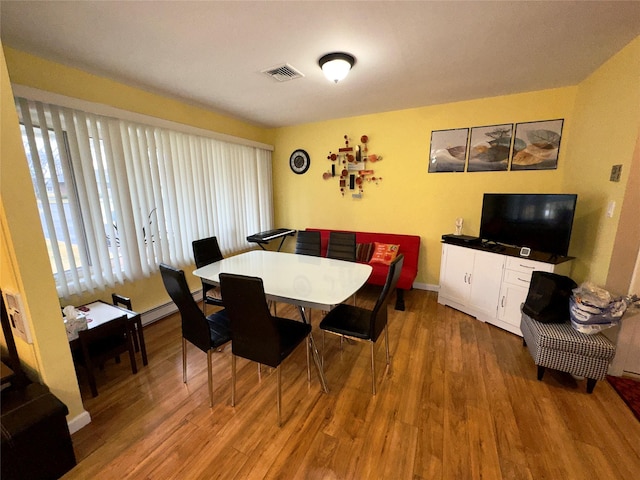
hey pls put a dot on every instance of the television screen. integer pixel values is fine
(541, 222)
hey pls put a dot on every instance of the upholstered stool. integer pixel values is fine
(559, 346)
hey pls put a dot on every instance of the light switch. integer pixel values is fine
(15, 311)
(611, 208)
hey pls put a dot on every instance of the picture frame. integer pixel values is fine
(536, 145)
(489, 148)
(448, 150)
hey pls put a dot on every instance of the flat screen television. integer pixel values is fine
(541, 222)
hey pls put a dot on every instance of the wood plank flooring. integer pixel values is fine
(460, 401)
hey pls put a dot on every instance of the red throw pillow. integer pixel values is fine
(384, 253)
(364, 252)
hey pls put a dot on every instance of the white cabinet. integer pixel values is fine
(487, 285)
(470, 280)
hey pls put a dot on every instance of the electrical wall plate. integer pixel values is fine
(17, 317)
(525, 251)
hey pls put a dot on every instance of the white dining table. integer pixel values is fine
(301, 280)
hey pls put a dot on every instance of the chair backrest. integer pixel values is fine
(194, 324)
(206, 251)
(253, 332)
(121, 300)
(105, 341)
(342, 246)
(379, 313)
(308, 243)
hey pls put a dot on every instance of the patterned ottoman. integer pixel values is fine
(559, 346)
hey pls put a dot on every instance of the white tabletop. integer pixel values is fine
(314, 282)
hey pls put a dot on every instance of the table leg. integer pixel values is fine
(314, 351)
(143, 348)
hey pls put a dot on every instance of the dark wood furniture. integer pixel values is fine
(99, 312)
(35, 437)
(104, 342)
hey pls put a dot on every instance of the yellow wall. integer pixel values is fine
(408, 199)
(607, 122)
(24, 264)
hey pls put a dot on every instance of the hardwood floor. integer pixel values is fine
(461, 401)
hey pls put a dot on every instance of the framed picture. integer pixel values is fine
(489, 148)
(448, 150)
(536, 145)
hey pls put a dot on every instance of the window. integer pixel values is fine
(116, 197)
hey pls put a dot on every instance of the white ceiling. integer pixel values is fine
(409, 54)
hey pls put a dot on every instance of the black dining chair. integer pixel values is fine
(308, 243)
(206, 251)
(362, 324)
(342, 246)
(256, 334)
(102, 343)
(206, 333)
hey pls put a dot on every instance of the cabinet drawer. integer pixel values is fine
(513, 277)
(524, 265)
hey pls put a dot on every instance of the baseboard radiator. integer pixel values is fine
(162, 311)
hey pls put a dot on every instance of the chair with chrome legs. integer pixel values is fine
(206, 251)
(256, 334)
(206, 333)
(365, 325)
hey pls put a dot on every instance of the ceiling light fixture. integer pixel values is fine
(336, 65)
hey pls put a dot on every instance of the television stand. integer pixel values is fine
(491, 284)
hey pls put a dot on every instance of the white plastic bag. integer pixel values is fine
(74, 321)
(592, 308)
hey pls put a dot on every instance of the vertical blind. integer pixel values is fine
(116, 198)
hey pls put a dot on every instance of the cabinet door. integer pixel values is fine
(485, 283)
(457, 264)
(511, 298)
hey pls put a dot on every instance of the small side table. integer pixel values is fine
(101, 312)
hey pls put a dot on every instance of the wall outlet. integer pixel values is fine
(17, 318)
(611, 208)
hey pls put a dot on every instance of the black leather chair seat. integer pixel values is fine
(219, 328)
(348, 320)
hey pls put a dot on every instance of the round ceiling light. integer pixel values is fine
(336, 66)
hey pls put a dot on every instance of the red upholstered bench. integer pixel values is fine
(409, 246)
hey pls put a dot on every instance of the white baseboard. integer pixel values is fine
(79, 421)
(426, 286)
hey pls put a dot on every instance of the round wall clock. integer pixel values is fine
(299, 161)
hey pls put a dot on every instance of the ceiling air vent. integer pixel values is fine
(283, 73)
